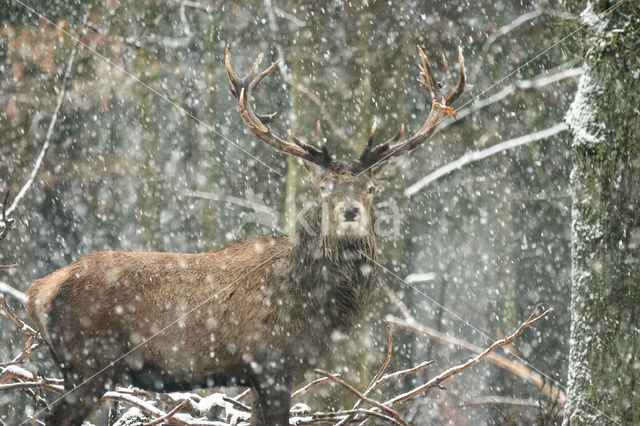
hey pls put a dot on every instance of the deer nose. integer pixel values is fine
(350, 213)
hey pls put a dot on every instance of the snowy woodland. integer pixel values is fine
(508, 244)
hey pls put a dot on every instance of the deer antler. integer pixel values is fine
(242, 89)
(440, 106)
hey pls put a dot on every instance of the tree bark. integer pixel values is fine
(604, 369)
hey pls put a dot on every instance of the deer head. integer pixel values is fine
(346, 188)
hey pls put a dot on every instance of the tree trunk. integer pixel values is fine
(604, 371)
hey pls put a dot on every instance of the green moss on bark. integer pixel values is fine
(604, 376)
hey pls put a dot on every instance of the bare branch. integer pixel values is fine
(291, 18)
(515, 367)
(356, 392)
(52, 123)
(144, 406)
(15, 265)
(384, 367)
(435, 382)
(356, 415)
(243, 396)
(24, 328)
(311, 385)
(239, 405)
(473, 156)
(25, 379)
(169, 415)
(402, 373)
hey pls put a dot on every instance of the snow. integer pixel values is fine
(581, 116)
(128, 169)
(18, 371)
(7, 289)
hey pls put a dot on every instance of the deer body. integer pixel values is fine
(257, 313)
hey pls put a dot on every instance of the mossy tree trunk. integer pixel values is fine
(604, 371)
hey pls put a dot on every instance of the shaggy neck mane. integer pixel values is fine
(335, 273)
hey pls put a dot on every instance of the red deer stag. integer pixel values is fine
(257, 313)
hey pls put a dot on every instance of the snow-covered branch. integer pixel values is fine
(8, 289)
(511, 26)
(474, 156)
(183, 408)
(537, 82)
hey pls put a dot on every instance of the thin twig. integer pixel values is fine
(359, 394)
(402, 373)
(239, 405)
(15, 265)
(322, 418)
(24, 328)
(485, 400)
(52, 123)
(144, 406)
(311, 385)
(243, 396)
(169, 415)
(384, 367)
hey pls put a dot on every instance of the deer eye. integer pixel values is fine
(371, 189)
(324, 190)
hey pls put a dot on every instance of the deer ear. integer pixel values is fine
(391, 168)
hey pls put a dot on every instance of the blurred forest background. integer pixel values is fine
(128, 170)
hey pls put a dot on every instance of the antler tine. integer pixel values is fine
(238, 83)
(234, 81)
(462, 85)
(242, 89)
(445, 65)
(367, 152)
(301, 144)
(372, 133)
(397, 137)
(425, 69)
(321, 141)
(439, 107)
(254, 68)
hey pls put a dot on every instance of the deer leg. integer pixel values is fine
(76, 404)
(271, 399)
